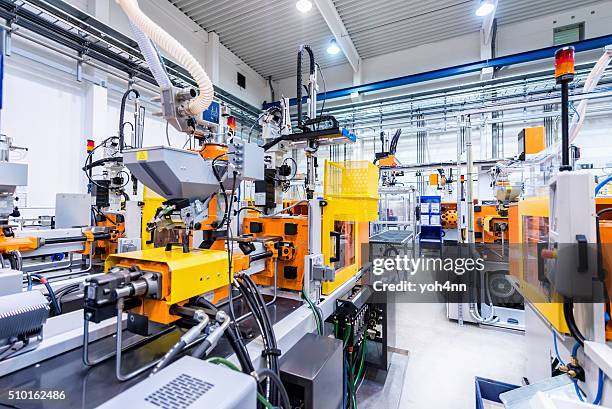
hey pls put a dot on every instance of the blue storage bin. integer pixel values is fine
(488, 389)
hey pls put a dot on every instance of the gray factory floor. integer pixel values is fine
(444, 358)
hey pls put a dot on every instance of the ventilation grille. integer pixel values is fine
(179, 393)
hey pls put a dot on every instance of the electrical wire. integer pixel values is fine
(324, 91)
(89, 157)
(56, 307)
(266, 373)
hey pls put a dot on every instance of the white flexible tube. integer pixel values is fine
(150, 54)
(173, 48)
(589, 85)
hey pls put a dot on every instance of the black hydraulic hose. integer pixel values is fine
(99, 162)
(266, 373)
(122, 114)
(232, 337)
(239, 349)
(260, 319)
(568, 312)
(299, 78)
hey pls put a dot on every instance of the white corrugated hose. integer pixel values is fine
(173, 48)
(589, 85)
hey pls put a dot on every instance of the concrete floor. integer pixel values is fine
(445, 357)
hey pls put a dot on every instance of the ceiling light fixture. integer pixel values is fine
(333, 48)
(486, 7)
(303, 6)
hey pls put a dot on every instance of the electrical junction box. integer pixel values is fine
(531, 141)
(247, 159)
(190, 383)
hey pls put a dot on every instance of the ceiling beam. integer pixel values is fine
(336, 26)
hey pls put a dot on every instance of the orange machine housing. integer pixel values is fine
(291, 246)
(103, 248)
(484, 217)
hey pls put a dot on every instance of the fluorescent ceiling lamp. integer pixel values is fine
(333, 48)
(303, 6)
(486, 7)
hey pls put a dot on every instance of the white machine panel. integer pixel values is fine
(190, 383)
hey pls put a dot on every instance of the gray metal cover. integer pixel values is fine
(12, 175)
(190, 383)
(72, 210)
(315, 364)
(11, 281)
(172, 173)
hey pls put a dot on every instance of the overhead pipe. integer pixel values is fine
(520, 58)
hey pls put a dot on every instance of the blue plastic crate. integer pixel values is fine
(488, 389)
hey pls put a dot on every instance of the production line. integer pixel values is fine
(434, 240)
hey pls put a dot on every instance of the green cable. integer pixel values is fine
(314, 311)
(222, 361)
(264, 401)
(347, 334)
(362, 364)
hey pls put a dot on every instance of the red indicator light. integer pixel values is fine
(231, 122)
(564, 64)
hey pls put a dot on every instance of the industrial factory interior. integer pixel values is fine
(305, 204)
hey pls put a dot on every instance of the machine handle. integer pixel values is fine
(583, 258)
(336, 256)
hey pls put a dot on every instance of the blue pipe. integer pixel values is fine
(543, 53)
(602, 184)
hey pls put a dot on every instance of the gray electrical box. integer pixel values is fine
(190, 383)
(248, 160)
(312, 372)
(72, 210)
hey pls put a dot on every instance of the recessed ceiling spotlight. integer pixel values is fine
(303, 6)
(486, 7)
(333, 48)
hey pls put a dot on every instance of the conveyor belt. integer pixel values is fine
(90, 387)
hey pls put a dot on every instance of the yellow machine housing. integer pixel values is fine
(350, 203)
(184, 275)
(529, 218)
(351, 194)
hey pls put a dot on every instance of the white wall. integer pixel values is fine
(196, 40)
(52, 114)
